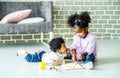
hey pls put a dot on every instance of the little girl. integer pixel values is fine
(84, 43)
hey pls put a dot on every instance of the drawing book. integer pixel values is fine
(69, 66)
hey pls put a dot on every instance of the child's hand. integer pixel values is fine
(63, 62)
(83, 55)
(57, 63)
(54, 62)
(67, 50)
(74, 58)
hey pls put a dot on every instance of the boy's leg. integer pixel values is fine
(41, 54)
(37, 57)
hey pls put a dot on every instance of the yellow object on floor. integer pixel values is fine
(42, 65)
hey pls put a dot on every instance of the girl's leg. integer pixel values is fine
(89, 58)
(88, 61)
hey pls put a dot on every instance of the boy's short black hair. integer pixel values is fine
(55, 44)
(81, 20)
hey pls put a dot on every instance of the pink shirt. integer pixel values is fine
(87, 44)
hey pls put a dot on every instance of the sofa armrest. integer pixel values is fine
(46, 10)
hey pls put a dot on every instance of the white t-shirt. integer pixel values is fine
(49, 56)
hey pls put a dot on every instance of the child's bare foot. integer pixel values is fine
(38, 51)
(22, 52)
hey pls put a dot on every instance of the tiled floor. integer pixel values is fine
(107, 65)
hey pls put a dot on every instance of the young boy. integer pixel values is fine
(84, 43)
(55, 57)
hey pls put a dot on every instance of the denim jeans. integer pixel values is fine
(88, 58)
(37, 57)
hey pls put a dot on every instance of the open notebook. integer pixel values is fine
(69, 66)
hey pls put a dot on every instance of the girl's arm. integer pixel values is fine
(92, 46)
(74, 55)
(68, 52)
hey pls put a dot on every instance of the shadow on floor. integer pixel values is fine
(106, 61)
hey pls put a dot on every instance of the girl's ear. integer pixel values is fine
(86, 29)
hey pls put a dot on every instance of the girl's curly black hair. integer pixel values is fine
(55, 44)
(81, 20)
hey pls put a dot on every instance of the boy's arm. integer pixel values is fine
(58, 63)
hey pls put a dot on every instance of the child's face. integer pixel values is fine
(62, 49)
(77, 30)
(81, 32)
